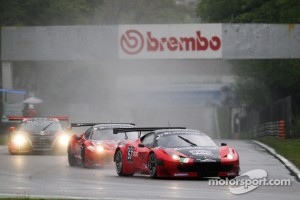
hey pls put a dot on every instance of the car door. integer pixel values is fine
(80, 143)
(147, 142)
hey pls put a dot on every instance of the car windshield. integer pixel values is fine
(184, 140)
(41, 126)
(107, 134)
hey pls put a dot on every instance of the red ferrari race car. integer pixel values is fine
(38, 135)
(175, 153)
(96, 146)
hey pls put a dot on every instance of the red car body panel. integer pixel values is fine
(89, 152)
(92, 156)
(194, 161)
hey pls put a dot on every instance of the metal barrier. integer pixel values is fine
(276, 129)
(267, 119)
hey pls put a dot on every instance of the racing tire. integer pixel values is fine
(83, 160)
(13, 153)
(71, 159)
(119, 163)
(152, 165)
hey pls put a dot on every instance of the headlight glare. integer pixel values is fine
(230, 156)
(100, 148)
(64, 139)
(19, 140)
(175, 157)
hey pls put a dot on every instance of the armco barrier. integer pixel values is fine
(281, 129)
(276, 129)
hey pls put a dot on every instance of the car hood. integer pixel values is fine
(52, 133)
(202, 154)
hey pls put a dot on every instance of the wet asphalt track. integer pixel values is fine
(50, 176)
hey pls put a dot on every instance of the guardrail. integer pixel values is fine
(276, 129)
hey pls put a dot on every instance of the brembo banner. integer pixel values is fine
(175, 41)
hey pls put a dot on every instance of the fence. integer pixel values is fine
(276, 128)
(271, 121)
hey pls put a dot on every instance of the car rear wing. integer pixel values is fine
(15, 118)
(142, 129)
(22, 118)
(60, 118)
(93, 124)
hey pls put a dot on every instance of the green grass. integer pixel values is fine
(289, 148)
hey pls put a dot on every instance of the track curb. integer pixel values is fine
(291, 167)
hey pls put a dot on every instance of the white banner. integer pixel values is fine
(175, 41)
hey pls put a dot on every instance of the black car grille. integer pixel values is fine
(226, 168)
(205, 168)
(42, 142)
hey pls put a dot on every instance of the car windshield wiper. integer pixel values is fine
(47, 126)
(188, 141)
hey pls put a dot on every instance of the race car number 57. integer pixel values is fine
(129, 153)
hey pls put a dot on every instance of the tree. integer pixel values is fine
(93, 12)
(145, 12)
(47, 12)
(249, 11)
(274, 78)
(259, 82)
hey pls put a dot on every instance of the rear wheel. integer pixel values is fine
(152, 165)
(119, 163)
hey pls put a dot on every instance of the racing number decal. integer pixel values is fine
(129, 153)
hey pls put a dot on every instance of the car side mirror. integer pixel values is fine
(141, 145)
(223, 144)
(78, 137)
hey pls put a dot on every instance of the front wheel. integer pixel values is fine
(71, 157)
(152, 165)
(13, 153)
(83, 159)
(119, 163)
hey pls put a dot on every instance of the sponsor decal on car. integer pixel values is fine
(181, 174)
(184, 160)
(200, 152)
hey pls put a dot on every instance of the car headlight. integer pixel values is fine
(64, 139)
(100, 148)
(175, 157)
(230, 154)
(19, 140)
